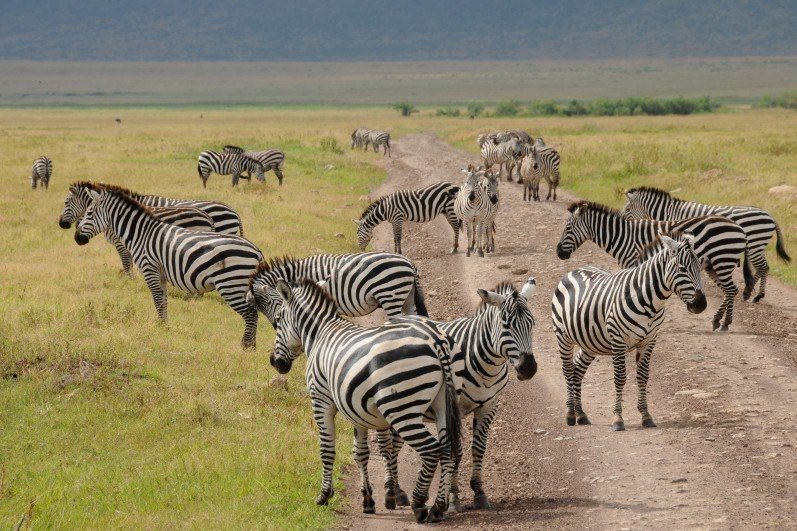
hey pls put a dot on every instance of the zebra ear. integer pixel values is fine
(491, 297)
(357, 222)
(528, 288)
(324, 285)
(95, 196)
(689, 238)
(284, 289)
(669, 243)
(249, 298)
(630, 195)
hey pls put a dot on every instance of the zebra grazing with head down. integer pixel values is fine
(359, 138)
(490, 186)
(757, 224)
(271, 159)
(41, 170)
(538, 164)
(195, 262)
(471, 206)
(358, 283)
(496, 338)
(719, 243)
(227, 164)
(608, 314)
(382, 378)
(379, 138)
(500, 153)
(419, 205)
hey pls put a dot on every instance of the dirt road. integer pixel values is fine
(723, 454)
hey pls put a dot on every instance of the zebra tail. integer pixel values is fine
(747, 271)
(781, 250)
(453, 414)
(420, 302)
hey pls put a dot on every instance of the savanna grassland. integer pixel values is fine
(111, 419)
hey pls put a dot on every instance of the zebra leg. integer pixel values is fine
(453, 491)
(642, 373)
(480, 238)
(455, 226)
(725, 281)
(469, 233)
(482, 418)
(555, 184)
(34, 180)
(550, 188)
(385, 441)
(402, 500)
(124, 254)
(759, 262)
(361, 454)
(397, 229)
(582, 363)
(233, 295)
(566, 355)
(154, 280)
(448, 459)
(324, 414)
(618, 360)
(235, 177)
(429, 449)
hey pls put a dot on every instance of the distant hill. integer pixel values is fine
(345, 30)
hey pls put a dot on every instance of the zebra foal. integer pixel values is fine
(41, 170)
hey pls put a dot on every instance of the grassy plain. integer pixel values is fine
(110, 419)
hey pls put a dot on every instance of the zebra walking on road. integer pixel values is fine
(379, 138)
(757, 224)
(490, 186)
(364, 374)
(195, 262)
(358, 283)
(41, 170)
(419, 205)
(609, 314)
(271, 159)
(500, 154)
(719, 243)
(471, 207)
(227, 164)
(539, 164)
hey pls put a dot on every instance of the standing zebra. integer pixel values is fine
(271, 159)
(419, 205)
(359, 138)
(358, 283)
(719, 243)
(42, 170)
(608, 314)
(500, 153)
(757, 224)
(382, 378)
(227, 164)
(379, 138)
(496, 337)
(195, 262)
(540, 163)
(471, 206)
(490, 186)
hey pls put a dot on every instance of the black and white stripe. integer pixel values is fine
(227, 164)
(502, 153)
(757, 224)
(358, 283)
(609, 314)
(383, 378)
(540, 164)
(471, 205)
(419, 205)
(41, 170)
(195, 262)
(359, 138)
(378, 138)
(719, 243)
(271, 159)
(490, 185)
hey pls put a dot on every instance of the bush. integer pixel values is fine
(475, 108)
(329, 143)
(448, 111)
(787, 100)
(507, 108)
(405, 108)
(624, 107)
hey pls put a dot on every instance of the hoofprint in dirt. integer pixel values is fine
(723, 454)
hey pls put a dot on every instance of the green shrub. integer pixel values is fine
(448, 111)
(475, 108)
(507, 108)
(624, 107)
(329, 143)
(405, 108)
(787, 100)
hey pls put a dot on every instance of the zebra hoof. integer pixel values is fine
(746, 295)
(402, 500)
(758, 298)
(480, 501)
(618, 426)
(724, 328)
(571, 418)
(582, 420)
(455, 505)
(369, 507)
(481, 255)
(420, 513)
(715, 325)
(435, 514)
(648, 423)
(390, 501)
(323, 498)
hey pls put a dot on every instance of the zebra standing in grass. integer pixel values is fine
(499, 154)
(490, 186)
(419, 205)
(608, 314)
(471, 206)
(271, 159)
(42, 170)
(382, 378)
(227, 164)
(540, 163)
(757, 224)
(358, 283)
(379, 138)
(359, 138)
(498, 336)
(195, 262)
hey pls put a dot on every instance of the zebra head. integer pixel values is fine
(637, 207)
(472, 183)
(95, 218)
(683, 271)
(254, 165)
(365, 231)
(535, 158)
(75, 204)
(265, 299)
(577, 229)
(490, 185)
(513, 324)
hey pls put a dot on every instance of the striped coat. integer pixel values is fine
(539, 164)
(499, 153)
(378, 138)
(42, 170)
(471, 206)
(359, 138)
(271, 159)
(490, 185)
(227, 164)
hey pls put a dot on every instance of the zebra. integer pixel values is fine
(227, 164)
(358, 283)
(42, 170)
(758, 226)
(379, 138)
(419, 205)
(497, 336)
(195, 262)
(78, 200)
(501, 153)
(607, 314)
(490, 186)
(719, 243)
(383, 378)
(271, 159)
(540, 163)
(359, 137)
(471, 206)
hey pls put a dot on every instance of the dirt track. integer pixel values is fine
(723, 454)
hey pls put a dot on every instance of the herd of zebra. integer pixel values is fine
(395, 378)
(362, 137)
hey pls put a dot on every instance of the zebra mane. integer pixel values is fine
(594, 207)
(651, 248)
(91, 185)
(505, 287)
(233, 149)
(265, 267)
(652, 191)
(125, 195)
(370, 208)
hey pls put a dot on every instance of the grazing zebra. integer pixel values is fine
(471, 206)
(540, 163)
(271, 159)
(501, 153)
(382, 378)
(719, 243)
(227, 164)
(757, 224)
(358, 283)
(42, 170)
(195, 262)
(379, 138)
(419, 205)
(359, 138)
(608, 314)
(490, 186)
(496, 337)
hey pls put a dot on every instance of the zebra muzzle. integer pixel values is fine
(64, 224)
(282, 365)
(527, 367)
(561, 253)
(81, 239)
(698, 303)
